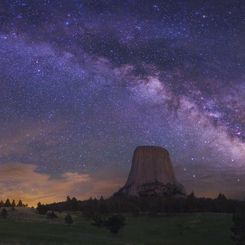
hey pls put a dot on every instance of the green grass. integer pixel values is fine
(197, 229)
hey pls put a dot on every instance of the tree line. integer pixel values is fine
(145, 204)
(8, 203)
(109, 212)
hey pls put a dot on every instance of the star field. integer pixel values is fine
(82, 83)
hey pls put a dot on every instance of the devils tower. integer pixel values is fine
(151, 174)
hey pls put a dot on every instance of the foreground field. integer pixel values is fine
(26, 227)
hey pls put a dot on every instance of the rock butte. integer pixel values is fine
(151, 174)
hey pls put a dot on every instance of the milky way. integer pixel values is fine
(82, 83)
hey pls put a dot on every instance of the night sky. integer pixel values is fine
(82, 83)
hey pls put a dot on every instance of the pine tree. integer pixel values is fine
(20, 204)
(7, 203)
(13, 204)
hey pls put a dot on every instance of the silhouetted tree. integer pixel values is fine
(13, 204)
(68, 219)
(72, 204)
(221, 204)
(20, 204)
(42, 209)
(115, 223)
(191, 196)
(7, 203)
(221, 197)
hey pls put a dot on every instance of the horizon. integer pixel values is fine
(34, 205)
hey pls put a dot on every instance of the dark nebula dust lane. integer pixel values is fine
(82, 83)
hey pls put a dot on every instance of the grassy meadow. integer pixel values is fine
(24, 226)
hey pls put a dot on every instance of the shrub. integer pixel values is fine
(20, 204)
(68, 219)
(115, 223)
